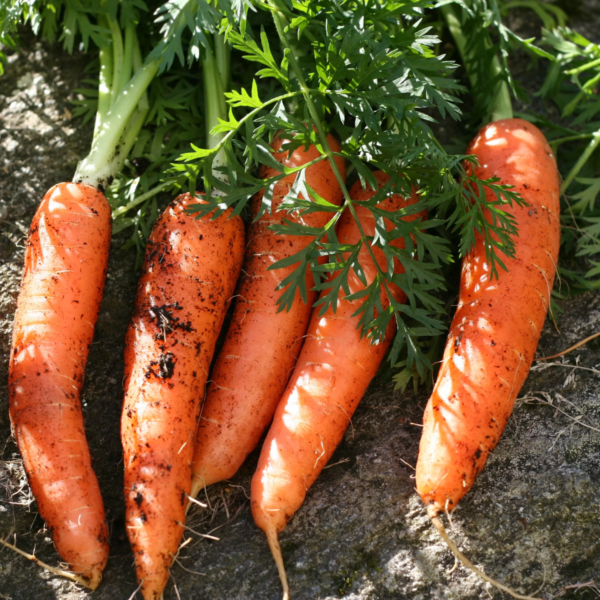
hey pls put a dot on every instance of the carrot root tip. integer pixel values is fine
(278, 557)
(198, 484)
(91, 582)
(437, 523)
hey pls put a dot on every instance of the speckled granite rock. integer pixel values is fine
(363, 533)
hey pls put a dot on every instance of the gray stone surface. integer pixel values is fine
(363, 533)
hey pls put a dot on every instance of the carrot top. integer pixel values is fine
(320, 74)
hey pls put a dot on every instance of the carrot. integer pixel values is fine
(189, 274)
(333, 371)
(497, 325)
(262, 344)
(65, 269)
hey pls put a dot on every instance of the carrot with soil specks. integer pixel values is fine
(65, 269)
(189, 275)
(497, 325)
(332, 374)
(262, 344)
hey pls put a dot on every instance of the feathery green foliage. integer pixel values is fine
(372, 77)
(572, 85)
(12, 14)
(485, 42)
(367, 71)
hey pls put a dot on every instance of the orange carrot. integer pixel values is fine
(189, 275)
(262, 344)
(333, 371)
(497, 325)
(65, 270)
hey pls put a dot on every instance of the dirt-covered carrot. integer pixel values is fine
(262, 344)
(65, 270)
(189, 275)
(332, 373)
(498, 322)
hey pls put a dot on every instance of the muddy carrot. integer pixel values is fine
(188, 278)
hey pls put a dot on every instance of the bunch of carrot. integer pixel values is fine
(464, 418)
(180, 308)
(189, 276)
(188, 280)
(304, 370)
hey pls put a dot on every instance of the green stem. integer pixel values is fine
(104, 87)
(138, 63)
(216, 79)
(127, 71)
(117, 44)
(222, 57)
(589, 85)
(98, 167)
(253, 113)
(581, 161)
(285, 13)
(583, 68)
(138, 117)
(571, 138)
(137, 201)
(311, 105)
(502, 105)
(127, 140)
(455, 27)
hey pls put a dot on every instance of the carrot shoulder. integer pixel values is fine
(332, 374)
(188, 279)
(262, 344)
(497, 325)
(65, 269)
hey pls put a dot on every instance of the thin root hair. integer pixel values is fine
(467, 563)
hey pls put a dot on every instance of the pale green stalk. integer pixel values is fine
(222, 57)
(138, 117)
(571, 138)
(581, 162)
(502, 106)
(134, 126)
(129, 137)
(98, 167)
(130, 40)
(138, 63)
(104, 87)
(216, 75)
(582, 68)
(117, 45)
(139, 199)
(590, 85)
